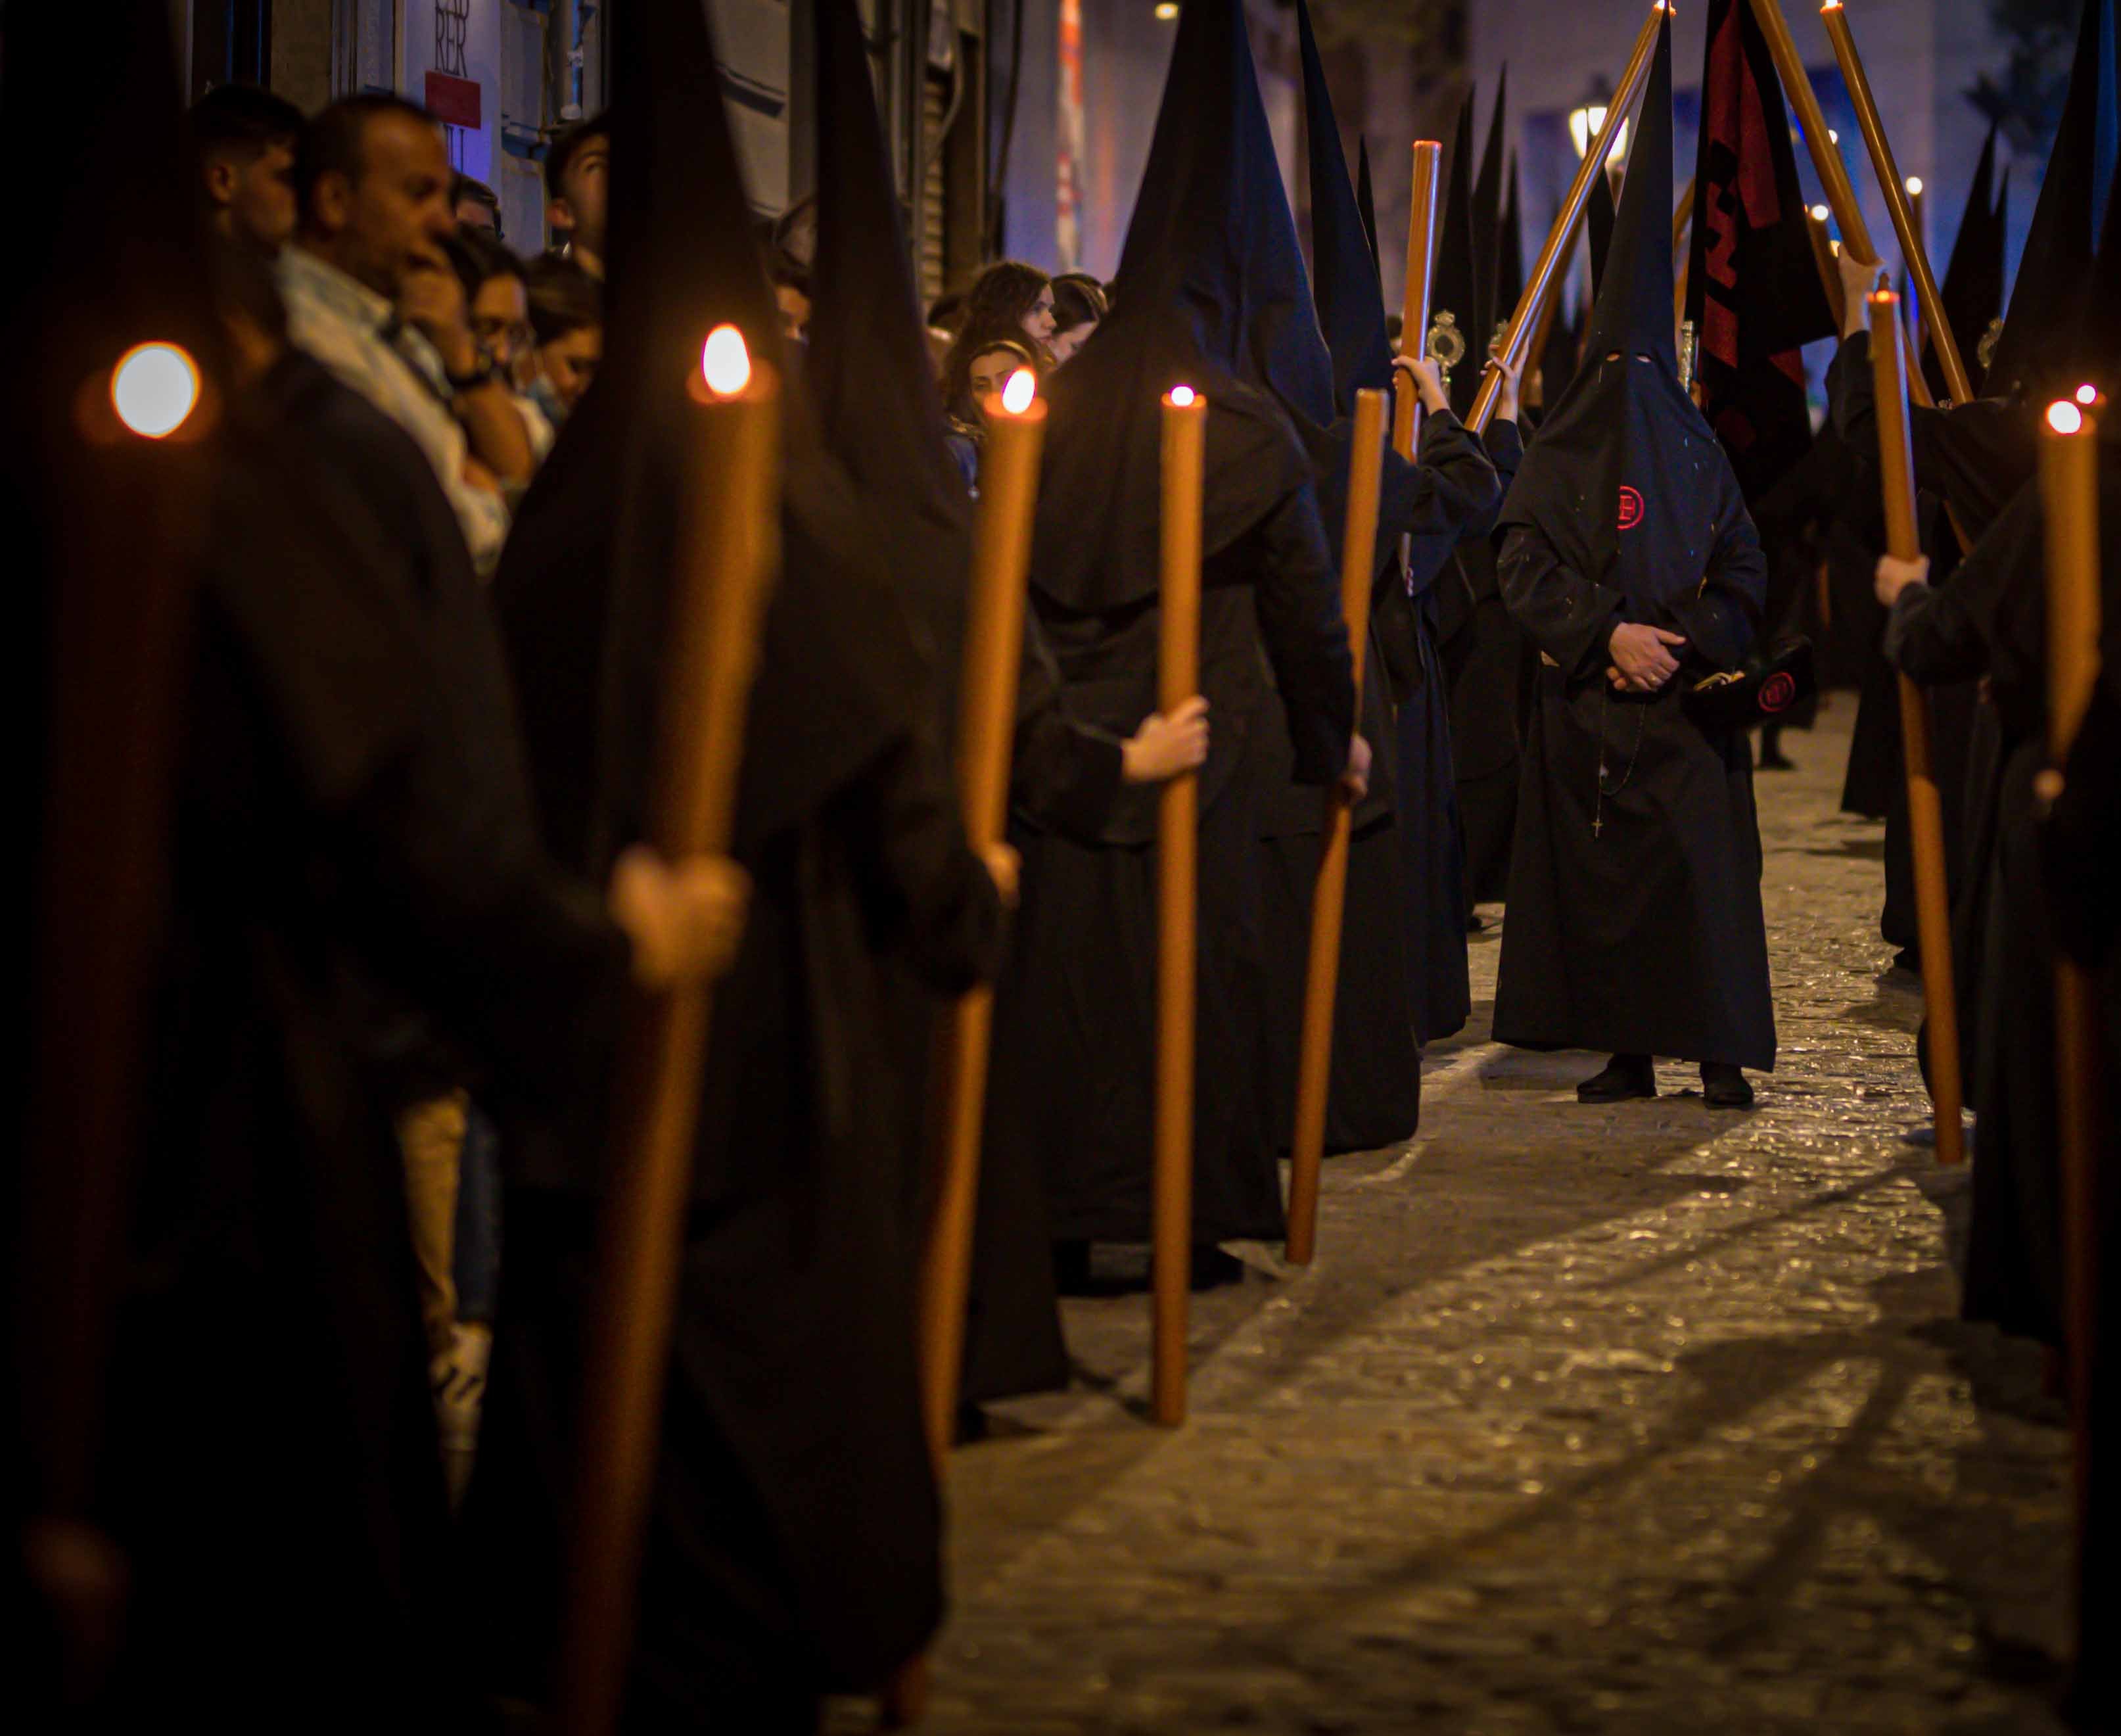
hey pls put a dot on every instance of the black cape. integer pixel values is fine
(1635, 923)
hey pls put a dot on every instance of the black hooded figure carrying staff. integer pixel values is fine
(1635, 924)
(1072, 1076)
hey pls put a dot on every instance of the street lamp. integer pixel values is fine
(1588, 118)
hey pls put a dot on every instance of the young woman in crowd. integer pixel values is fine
(1011, 297)
(1079, 305)
(978, 367)
(566, 325)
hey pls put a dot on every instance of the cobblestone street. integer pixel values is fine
(1637, 1419)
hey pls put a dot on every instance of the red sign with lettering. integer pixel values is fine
(454, 101)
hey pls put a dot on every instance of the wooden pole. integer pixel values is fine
(1835, 17)
(1682, 221)
(1420, 274)
(2069, 491)
(1510, 350)
(1177, 885)
(993, 657)
(1888, 362)
(1329, 896)
(1826, 157)
(728, 554)
(1829, 274)
(1682, 215)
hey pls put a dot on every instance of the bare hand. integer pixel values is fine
(1426, 379)
(1858, 278)
(1167, 743)
(1894, 575)
(1506, 402)
(1356, 780)
(1005, 869)
(685, 921)
(433, 303)
(1641, 663)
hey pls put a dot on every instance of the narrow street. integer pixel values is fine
(1640, 1419)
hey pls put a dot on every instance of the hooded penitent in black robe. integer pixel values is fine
(1635, 923)
(1450, 485)
(1481, 650)
(793, 1531)
(2081, 855)
(880, 412)
(1073, 1077)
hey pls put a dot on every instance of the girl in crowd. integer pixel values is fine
(1078, 304)
(1011, 297)
(566, 322)
(978, 367)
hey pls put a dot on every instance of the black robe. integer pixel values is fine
(1073, 1077)
(1483, 656)
(1991, 618)
(343, 821)
(1397, 986)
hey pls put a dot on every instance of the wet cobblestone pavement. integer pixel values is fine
(1642, 1418)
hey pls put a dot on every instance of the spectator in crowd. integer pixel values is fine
(497, 304)
(576, 168)
(566, 333)
(243, 148)
(1079, 305)
(791, 290)
(477, 206)
(372, 182)
(976, 370)
(1014, 297)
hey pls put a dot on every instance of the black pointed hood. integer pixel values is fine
(1599, 217)
(871, 382)
(1488, 219)
(1625, 479)
(1351, 306)
(1510, 251)
(583, 586)
(1366, 201)
(1211, 292)
(1972, 290)
(2048, 302)
(2099, 356)
(1453, 283)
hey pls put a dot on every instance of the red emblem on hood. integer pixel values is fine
(1631, 508)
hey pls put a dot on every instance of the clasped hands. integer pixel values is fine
(1643, 659)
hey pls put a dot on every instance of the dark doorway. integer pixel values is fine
(231, 44)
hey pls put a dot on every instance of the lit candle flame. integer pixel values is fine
(1914, 186)
(2065, 417)
(1021, 387)
(2087, 395)
(1181, 395)
(154, 388)
(725, 362)
(1819, 213)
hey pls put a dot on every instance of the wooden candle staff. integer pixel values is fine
(728, 553)
(1513, 346)
(993, 657)
(1925, 804)
(1329, 896)
(1177, 888)
(1835, 17)
(2069, 491)
(1420, 274)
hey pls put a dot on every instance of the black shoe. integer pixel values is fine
(1624, 1076)
(1212, 1268)
(1724, 1087)
(1475, 923)
(1907, 958)
(1776, 761)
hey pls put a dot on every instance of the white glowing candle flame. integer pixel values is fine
(1021, 387)
(2087, 395)
(2065, 417)
(725, 362)
(1181, 395)
(1914, 186)
(1819, 213)
(154, 388)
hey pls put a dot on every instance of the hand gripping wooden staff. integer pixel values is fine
(728, 553)
(1896, 465)
(1513, 345)
(2069, 491)
(1329, 895)
(994, 655)
(1177, 888)
(1835, 16)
